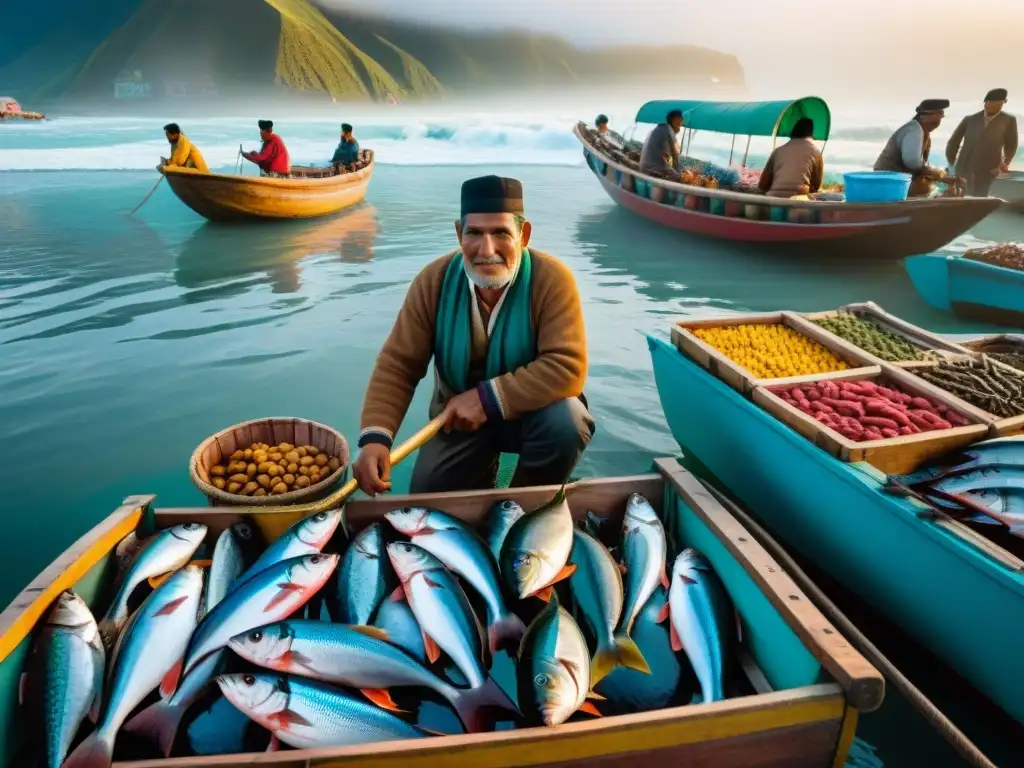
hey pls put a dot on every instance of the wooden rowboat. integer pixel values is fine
(957, 593)
(1010, 187)
(971, 289)
(812, 684)
(231, 197)
(862, 231)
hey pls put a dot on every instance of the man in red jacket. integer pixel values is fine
(273, 156)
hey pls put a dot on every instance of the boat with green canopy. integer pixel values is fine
(708, 200)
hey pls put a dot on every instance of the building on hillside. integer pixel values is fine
(131, 85)
(9, 107)
(202, 87)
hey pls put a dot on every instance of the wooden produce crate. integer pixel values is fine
(998, 426)
(744, 381)
(913, 334)
(803, 711)
(895, 455)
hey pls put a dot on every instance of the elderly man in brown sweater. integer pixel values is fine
(504, 325)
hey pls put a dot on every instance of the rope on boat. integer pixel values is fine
(146, 198)
(956, 738)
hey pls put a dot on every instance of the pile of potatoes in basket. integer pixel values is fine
(264, 470)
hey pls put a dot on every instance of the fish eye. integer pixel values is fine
(314, 559)
(508, 505)
(520, 561)
(244, 532)
(320, 516)
(189, 526)
(249, 679)
(256, 636)
(541, 680)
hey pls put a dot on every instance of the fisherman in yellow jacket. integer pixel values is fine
(183, 152)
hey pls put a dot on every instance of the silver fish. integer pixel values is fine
(271, 595)
(461, 550)
(536, 549)
(148, 652)
(497, 523)
(627, 691)
(644, 549)
(357, 657)
(63, 681)
(702, 620)
(166, 551)
(226, 567)
(159, 722)
(397, 619)
(984, 478)
(306, 714)
(597, 591)
(365, 577)
(554, 668)
(449, 624)
(306, 537)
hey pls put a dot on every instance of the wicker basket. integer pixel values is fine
(273, 430)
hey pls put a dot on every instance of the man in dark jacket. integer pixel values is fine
(908, 148)
(983, 145)
(347, 152)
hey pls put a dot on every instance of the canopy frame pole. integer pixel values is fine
(732, 149)
(746, 153)
(688, 143)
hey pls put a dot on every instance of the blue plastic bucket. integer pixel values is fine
(876, 186)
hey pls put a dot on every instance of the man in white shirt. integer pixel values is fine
(908, 148)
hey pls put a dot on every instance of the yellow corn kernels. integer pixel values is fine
(771, 351)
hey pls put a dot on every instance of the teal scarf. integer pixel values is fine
(513, 342)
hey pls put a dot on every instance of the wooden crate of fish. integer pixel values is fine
(990, 390)
(748, 351)
(893, 420)
(883, 337)
(263, 666)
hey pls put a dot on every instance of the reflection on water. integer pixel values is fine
(214, 256)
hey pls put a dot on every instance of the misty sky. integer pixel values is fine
(936, 43)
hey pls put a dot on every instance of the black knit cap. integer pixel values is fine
(932, 105)
(996, 94)
(266, 125)
(602, 119)
(492, 194)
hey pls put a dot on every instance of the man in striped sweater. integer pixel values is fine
(503, 324)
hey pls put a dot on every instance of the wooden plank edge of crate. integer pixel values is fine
(790, 381)
(724, 321)
(878, 453)
(871, 308)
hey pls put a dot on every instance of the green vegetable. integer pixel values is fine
(873, 338)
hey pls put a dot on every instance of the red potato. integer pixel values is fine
(820, 407)
(872, 434)
(890, 433)
(813, 395)
(881, 423)
(905, 431)
(920, 402)
(954, 418)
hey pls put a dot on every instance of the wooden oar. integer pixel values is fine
(339, 497)
(146, 198)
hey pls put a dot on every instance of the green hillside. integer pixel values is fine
(248, 47)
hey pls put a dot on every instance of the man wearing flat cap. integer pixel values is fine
(273, 155)
(908, 148)
(983, 145)
(503, 324)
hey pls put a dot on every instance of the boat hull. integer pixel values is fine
(1010, 187)
(970, 289)
(865, 231)
(223, 197)
(803, 710)
(963, 601)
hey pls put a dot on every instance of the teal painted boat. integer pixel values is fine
(955, 592)
(971, 289)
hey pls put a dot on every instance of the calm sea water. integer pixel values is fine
(126, 341)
